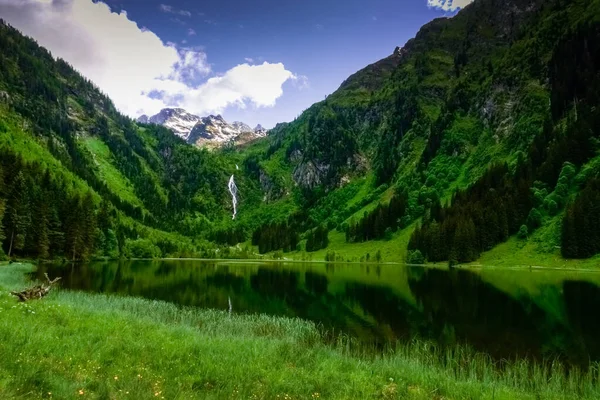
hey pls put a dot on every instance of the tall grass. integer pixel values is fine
(78, 345)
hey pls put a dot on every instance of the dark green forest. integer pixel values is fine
(482, 128)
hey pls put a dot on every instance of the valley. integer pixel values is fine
(428, 230)
(473, 144)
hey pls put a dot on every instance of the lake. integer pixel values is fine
(506, 313)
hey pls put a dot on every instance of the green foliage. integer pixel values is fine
(581, 230)
(477, 219)
(270, 237)
(141, 248)
(523, 232)
(415, 257)
(317, 239)
(434, 119)
(534, 219)
(380, 222)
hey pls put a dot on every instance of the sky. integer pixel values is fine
(256, 61)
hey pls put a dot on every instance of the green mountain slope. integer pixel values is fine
(479, 130)
(497, 98)
(80, 180)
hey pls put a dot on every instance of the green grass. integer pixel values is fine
(393, 250)
(524, 253)
(31, 149)
(117, 183)
(77, 345)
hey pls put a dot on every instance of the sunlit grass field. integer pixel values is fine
(78, 345)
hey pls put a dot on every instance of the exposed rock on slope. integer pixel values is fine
(211, 131)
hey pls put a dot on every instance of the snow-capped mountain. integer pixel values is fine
(259, 130)
(211, 131)
(178, 120)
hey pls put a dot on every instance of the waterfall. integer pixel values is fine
(233, 190)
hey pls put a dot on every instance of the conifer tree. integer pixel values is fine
(17, 213)
(2, 209)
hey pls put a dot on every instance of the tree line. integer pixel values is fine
(580, 236)
(41, 216)
(317, 239)
(275, 236)
(477, 219)
(383, 220)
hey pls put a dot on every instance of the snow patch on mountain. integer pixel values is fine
(210, 131)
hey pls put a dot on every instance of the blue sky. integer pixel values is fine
(301, 50)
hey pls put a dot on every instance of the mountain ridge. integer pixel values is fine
(211, 131)
(478, 131)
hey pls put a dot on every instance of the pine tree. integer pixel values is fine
(74, 228)
(2, 210)
(88, 234)
(17, 214)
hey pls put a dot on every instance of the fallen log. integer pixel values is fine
(36, 292)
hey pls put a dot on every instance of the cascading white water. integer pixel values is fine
(233, 190)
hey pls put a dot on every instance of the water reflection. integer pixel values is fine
(505, 313)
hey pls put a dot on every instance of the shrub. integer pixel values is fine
(523, 232)
(534, 220)
(415, 257)
(141, 248)
(551, 206)
(388, 233)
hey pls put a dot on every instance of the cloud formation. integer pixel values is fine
(172, 10)
(448, 5)
(133, 66)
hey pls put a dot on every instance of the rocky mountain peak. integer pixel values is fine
(209, 131)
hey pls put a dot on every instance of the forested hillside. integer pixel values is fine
(78, 179)
(482, 128)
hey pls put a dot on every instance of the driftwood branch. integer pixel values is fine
(36, 292)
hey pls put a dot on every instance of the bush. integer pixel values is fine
(534, 220)
(330, 256)
(388, 233)
(551, 206)
(523, 232)
(415, 257)
(141, 248)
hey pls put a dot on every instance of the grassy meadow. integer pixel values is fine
(90, 346)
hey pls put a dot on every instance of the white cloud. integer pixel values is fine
(258, 85)
(249, 60)
(172, 10)
(300, 81)
(448, 5)
(191, 32)
(128, 62)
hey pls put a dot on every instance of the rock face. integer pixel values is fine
(212, 131)
(144, 119)
(177, 120)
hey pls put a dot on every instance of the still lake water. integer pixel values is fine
(505, 313)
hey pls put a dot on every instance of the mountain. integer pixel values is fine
(214, 131)
(475, 140)
(260, 131)
(176, 119)
(211, 131)
(476, 132)
(80, 180)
